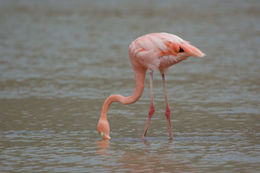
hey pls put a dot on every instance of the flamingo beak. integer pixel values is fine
(105, 136)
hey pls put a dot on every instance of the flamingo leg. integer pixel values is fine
(167, 111)
(151, 106)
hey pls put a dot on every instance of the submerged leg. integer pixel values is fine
(167, 111)
(151, 105)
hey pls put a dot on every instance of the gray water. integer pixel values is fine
(59, 60)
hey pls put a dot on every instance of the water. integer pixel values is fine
(59, 60)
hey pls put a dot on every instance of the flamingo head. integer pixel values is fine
(103, 128)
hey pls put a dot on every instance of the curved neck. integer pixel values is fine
(139, 87)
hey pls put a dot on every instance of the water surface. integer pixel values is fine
(59, 60)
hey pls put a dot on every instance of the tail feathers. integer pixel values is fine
(192, 50)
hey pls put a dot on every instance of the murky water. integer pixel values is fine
(59, 60)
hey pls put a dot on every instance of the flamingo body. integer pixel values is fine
(160, 51)
(155, 51)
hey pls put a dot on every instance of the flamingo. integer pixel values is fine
(154, 51)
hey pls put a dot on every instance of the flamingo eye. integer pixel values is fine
(181, 50)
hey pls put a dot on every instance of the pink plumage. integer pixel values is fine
(160, 51)
(155, 51)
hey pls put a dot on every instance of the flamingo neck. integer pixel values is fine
(139, 87)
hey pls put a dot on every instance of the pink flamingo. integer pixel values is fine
(152, 51)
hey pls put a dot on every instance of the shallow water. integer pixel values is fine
(59, 60)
